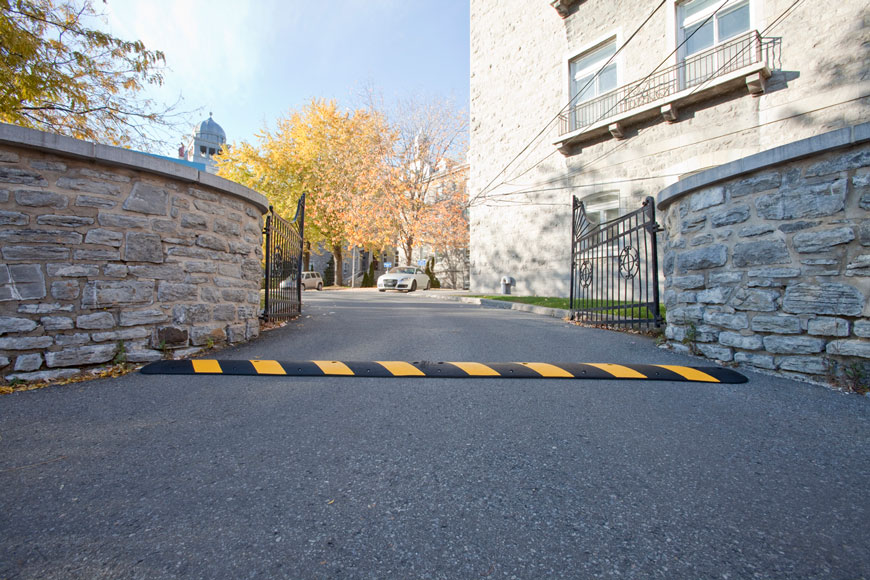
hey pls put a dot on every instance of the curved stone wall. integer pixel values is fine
(109, 254)
(767, 259)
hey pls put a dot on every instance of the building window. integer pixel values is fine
(585, 86)
(602, 207)
(202, 149)
(211, 150)
(703, 27)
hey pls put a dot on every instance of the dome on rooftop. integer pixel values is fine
(209, 130)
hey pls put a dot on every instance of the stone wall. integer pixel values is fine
(110, 254)
(767, 260)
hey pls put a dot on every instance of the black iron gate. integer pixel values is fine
(614, 268)
(284, 244)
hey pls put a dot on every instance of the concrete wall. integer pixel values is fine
(519, 79)
(105, 249)
(767, 260)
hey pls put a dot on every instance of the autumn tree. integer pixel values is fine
(431, 138)
(61, 74)
(337, 158)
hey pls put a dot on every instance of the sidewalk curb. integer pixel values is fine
(504, 305)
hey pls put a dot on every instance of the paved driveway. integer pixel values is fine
(276, 477)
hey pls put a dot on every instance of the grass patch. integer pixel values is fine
(563, 303)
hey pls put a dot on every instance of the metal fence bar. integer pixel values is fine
(614, 268)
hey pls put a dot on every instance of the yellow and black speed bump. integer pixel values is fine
(447, 370)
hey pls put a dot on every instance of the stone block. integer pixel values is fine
(65, 290)
(163, 272)
(142, 317)
(25, 342)
(118, 335)
(734, 215)
(685, 314)
(864, 233)
(28, 362)
(252, 329)
(818, 200)
(828, 326)
(209, 207)
(72, 339)
(143, 355)
(44, 376)
(231, 270)
(13, 218)
(96, 321)
(22, 282)
(13, 324)
(861, 328)
(115, 270)
(717, 295)
(844, 162)
(170, 337)
(234, 295)
(97, 255)
(186, 314)
(211, 242)
(170, 292)
(737, 340)
(55, 166)
(821, 241)
(226, 228)
(792, 227)
(109, 293)
(203, 267)
(4, 361)
(41, 199)
(737, 321)
(236, 333)
(81, 355)
(72, 270)
(762, 361)
(21, 177)
(827, 298)
(717, 278)
(693, 223)
(64, 221)
(148, 199)
(116, 220)
(104, 237)
(707, 197)
(105, 175)
(774, 273)
(859, 348)
(755, 184)
(55, 323)
(702, 240)
(224, 313)
(681, 282)
(702, 258)
(143, 247)
(201, 335)
(776, 324)
(755, 231)
(44, 308)
(755, 299)
(163, 226)
(89, 186)
(793, 344)
(860, 266)
(192, 221)
(760, 253)
(209, 294)
(92, 201)
(40, 237)
(812, 365)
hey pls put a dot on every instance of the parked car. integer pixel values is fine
(309, 280)
(403, 279)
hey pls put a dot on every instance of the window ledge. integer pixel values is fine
(752, 76)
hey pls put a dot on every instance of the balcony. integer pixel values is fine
(746, 60)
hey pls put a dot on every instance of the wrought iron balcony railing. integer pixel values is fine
(733, 55)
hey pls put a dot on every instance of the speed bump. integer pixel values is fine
(446, 370)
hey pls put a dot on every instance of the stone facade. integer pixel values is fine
(520, 49)
(767, 260)
(111, 253)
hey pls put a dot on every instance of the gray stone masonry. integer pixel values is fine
(103, 248)
(791, 292)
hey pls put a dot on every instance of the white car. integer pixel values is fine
(403, 279)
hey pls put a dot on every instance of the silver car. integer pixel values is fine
(403, 279)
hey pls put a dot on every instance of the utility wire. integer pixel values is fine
(778, 20)
(570, 101)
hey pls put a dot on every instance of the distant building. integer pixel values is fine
(208, 140)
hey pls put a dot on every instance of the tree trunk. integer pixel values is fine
(339, 266)
(306, 257)
(408, 246)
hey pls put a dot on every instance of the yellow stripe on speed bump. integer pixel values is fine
(690, 373)
(401, 368)
(333, 367)
(477, 369)
(618, 371)
(206, 366)
(548, 370)
(268, 367)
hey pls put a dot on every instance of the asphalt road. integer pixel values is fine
(280, 477)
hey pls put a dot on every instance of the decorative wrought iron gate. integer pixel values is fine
(284, 245)
(614, 268)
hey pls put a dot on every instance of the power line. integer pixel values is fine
(570, 101)
(778, 20)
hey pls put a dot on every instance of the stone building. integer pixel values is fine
(207, 140)
(693, 85)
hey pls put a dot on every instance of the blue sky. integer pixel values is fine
(251, 62)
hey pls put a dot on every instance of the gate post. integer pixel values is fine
(653, 228)
(300, 219)
(574, 206)
(267, 231)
